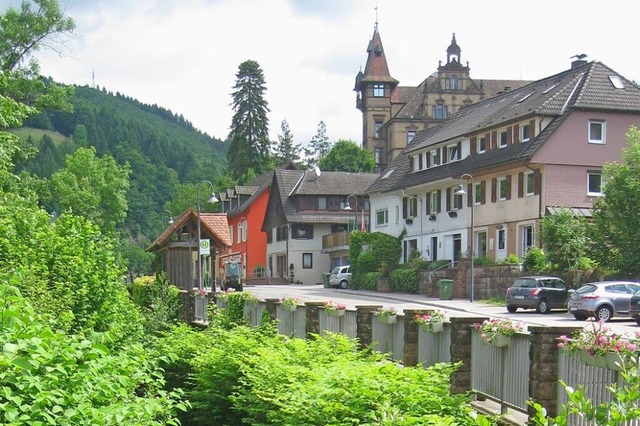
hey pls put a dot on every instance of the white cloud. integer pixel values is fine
(183, 55)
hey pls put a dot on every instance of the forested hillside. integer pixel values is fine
(162, 148)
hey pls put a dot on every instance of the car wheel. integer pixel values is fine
(580, 316)
(344, 284)
(512, 309)
(604, 313)
(543, 307)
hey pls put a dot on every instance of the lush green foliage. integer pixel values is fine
(254, 376)
(366, 281)
(347, 156)
(405, 280)
(564, 238)
(249, 136)
(616, 223)
(535, 260)
(159, 302)
(53, 378)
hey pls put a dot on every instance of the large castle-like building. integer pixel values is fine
(392, 114)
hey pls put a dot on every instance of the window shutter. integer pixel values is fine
(444, 155)
(469, 195)
(520, 185)
(537, 179)
(473, 145)
(516, 132)
(494, 185)
(508, 187)
(509, 135)
(404, 207)
(428, 154)
(427, 203)
(483, 189)
(494, 140)
(439, 201)
(411, 163)
(448, 199)
(532, 129)
(459, 153)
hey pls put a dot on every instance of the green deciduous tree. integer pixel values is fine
(285, 149)
(249, 136)
(318, 147)
(92, 187)
(564, 238)
(616, 220)
(347, 156)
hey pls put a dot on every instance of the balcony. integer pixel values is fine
(335, 242)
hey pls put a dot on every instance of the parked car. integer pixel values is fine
(634, 307)
(340, 276)
(537, 292)
(602, 300)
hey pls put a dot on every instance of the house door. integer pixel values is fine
(526, 236)
(501, 249)
(434, 248)
(457, 247)
(281, 266)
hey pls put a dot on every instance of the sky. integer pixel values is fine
(183, 55)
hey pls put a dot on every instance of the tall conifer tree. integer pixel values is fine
(285, 149)
(248, 152)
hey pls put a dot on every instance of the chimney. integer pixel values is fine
(579, 60)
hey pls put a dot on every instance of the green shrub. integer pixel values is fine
(366, 262)
(143, 291)
(483, 261)
(369, 281)
(405, 280)
(512, 259)
(535, 260)
(439, 264)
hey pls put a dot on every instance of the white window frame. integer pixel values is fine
(481, 145)
(501, 181)
(591, 174)
(378, 90)
(529, 186)
(523, 137)
(410, 135)
(506, 139)
(377, 128)
(452, 152)
(435, 158)
(456, 199)
(477, 188)
(434, 202)
(603, 131)
(385, 217)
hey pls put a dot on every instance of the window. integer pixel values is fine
(529, 183)
(502, 239)
(302, 232)
(341, 227)
(382, 217)
(456, 199)
(269, 236)
(481, 241)
(594, 183)
(378, 90)
(482, 145)
(378, 125)
(282, 233)
(240, 232)
(440, 111)
(477, 193)
(307, 260)
(409, 248)
(409, 207)
(378, 155)
(435, 157)
(454, 82)
(410, 135)
(527, 238)
(435, 202)
(524, 133)
(322, 203)
(453, 152)
(597, 131)
(502, 189)
(502, 139)
(231, 233)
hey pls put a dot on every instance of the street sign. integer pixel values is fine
(205, 247)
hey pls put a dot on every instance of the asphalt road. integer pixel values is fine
(353, 298)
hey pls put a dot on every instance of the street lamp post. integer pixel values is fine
(348, 209)
(170, 222)
(461, 191)
(212, 199)
(245, 232)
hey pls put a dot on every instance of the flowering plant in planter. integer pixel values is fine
(599, 341)
(430, 317)
(490, 329)
(334, 306)
(202, 292)
(290, 302)
(386, 312)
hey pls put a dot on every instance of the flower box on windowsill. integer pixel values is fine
(387, 319)
(453, 214)
(335, 312)
(432, 217)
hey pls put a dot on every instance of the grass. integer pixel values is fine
(495, 300)
(36, 134)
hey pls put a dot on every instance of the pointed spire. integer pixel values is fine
(376, 69)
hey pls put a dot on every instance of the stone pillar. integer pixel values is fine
(271, 305)
(543, 366)
(461, 351)
(411, 336)
(187, 313)
(364, 317)
(313, 318)
(462, 282)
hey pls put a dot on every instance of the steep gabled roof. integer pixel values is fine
(213, 225)
(589, 86)
(376, 69)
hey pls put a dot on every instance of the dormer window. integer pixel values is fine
(502, 139)
(453, 152)
(435, 157)
(440, 112)
(378, 90)
(482, 145)
(524, 133)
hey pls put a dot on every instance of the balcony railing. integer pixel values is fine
(335, 241)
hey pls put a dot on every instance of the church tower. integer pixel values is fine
(374, 88)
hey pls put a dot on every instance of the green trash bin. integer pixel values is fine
(326, 277)
(446, 289)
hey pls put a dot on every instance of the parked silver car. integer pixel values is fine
(340, 276)
(602, 300)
